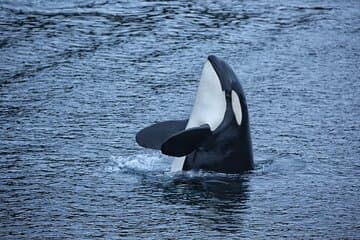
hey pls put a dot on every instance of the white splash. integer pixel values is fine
(139, 163)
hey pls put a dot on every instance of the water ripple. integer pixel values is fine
(78, 79)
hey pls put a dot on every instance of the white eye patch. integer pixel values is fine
(236, 106)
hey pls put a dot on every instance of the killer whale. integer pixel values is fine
(216, 137)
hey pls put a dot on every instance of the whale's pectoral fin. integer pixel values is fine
(186, 141)
(155, 135)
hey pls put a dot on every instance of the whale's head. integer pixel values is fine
(218, 90)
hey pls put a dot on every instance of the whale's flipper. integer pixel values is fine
(186, 141)
(155, 135)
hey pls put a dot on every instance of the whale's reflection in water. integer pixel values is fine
(212, 201)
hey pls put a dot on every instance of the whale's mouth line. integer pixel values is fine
(210, 102)
(225, 81)
(215, 67)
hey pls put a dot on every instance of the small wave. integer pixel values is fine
(160, 165)
(140, 163)
(279, 163)
(199, 174)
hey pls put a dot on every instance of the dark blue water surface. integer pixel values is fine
(78, 79)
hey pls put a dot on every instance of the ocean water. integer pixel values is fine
(78, 79)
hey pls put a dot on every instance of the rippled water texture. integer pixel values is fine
(78, 79)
